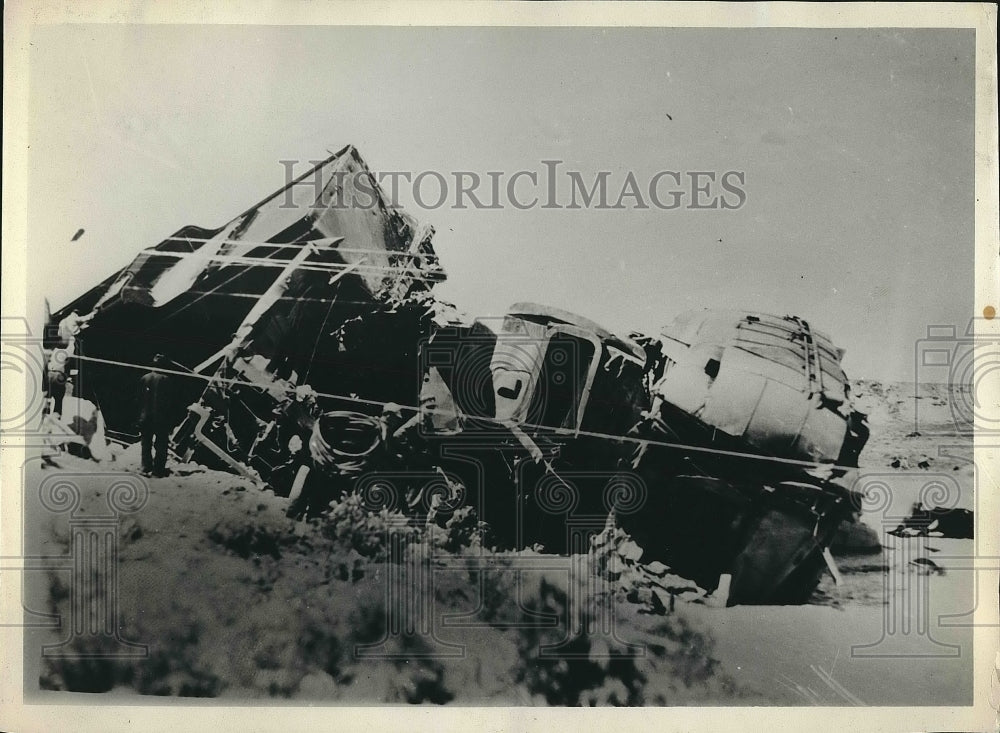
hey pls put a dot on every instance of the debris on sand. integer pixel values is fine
(954, 523)
(924, 566)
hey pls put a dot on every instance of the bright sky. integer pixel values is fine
(857, 146)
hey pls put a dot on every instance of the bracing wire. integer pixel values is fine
(542, 428)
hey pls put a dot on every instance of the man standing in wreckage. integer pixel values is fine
(155, 418)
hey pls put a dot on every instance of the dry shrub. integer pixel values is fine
(581, 671)
(351, 525)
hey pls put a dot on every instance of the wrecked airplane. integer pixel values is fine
(310, 353)
(294, 292)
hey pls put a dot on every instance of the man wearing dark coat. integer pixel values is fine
(155, 411)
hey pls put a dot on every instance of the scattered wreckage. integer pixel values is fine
(309, 352)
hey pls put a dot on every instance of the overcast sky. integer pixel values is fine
(857, 149)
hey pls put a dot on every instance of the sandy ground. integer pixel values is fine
(233, 600)
(793, 652)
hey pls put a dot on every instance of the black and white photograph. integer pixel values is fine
(604, 358)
